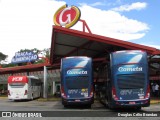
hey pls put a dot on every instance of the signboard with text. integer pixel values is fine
(22, 57)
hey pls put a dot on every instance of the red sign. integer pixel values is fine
(66, 16)
(17, 79)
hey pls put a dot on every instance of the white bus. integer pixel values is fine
(24, 87)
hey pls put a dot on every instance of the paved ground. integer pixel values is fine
(153, 100)
(44, 105)
(55, 108)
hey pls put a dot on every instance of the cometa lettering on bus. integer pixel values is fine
(76, 72)
(122, 69)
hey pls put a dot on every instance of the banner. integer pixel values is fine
(22, 57)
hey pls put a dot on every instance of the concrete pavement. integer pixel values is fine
(153, 100)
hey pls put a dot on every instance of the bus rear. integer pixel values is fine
(130, 82)
(76, 81)
(17, 87)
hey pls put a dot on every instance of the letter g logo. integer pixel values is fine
(66, 16)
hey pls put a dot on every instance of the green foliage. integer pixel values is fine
(46, 53)
(43, 53)
(34, 50)
(2, 57)
(8, 65)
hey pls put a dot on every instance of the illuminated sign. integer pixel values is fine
(66, 16)
(21, 57)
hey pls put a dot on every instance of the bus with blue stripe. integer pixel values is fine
(126, 80)
(77, 81)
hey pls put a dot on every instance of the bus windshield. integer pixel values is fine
(131, 81)
(77, 82)
(17, 85)
(128, 57)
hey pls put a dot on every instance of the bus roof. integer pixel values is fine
(76, 57)
(21, 79)
(129, 51)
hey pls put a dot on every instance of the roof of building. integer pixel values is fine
(69, 42)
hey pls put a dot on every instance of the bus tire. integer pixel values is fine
(138, 108)
(110, 107)
(88, 106)
(65, 106)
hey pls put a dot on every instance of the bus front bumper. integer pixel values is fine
(21, 97)
(77, 101)
(138, 103)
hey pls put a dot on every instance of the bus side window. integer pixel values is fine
(29, 83)
(33, 82)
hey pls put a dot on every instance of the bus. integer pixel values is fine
(77, 81)
(24, 87)
(124, 81)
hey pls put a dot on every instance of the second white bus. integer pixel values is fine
(24, 87)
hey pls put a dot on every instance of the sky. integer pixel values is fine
(27, 24)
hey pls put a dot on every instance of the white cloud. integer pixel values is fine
(97, 4)
(28, 24)
(112, 24)
(133, 6)
(93, 4)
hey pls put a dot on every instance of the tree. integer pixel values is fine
(3, 57)
(45, 53)
(34, 50)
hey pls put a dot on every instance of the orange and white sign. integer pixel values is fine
(67, 16)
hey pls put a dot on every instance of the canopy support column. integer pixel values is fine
(45, 85)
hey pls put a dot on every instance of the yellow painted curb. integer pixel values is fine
(155, 101)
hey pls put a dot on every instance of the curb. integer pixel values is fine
(155, 102)
(3, 97)
(58, 99)
(48, 99)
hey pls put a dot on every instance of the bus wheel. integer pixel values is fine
(65, 106)
(138, 108)
(88, 106)
(110, 107)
